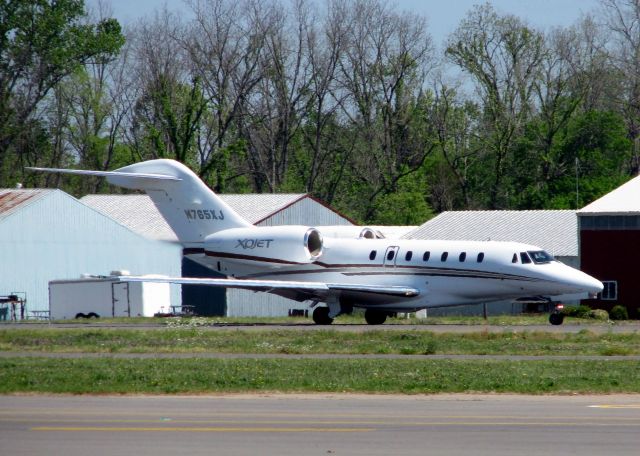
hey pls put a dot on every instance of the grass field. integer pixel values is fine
(199, 376)
(409, 342)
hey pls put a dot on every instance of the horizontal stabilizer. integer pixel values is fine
(107, 173)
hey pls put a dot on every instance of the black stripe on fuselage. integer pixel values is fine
(388, 272)
(348, 269)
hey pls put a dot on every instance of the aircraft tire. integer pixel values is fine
(375, 317)
(321, 316)
(556, 319)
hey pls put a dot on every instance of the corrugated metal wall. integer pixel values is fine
(57, 237)
(243, 303)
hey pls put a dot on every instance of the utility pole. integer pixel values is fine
(577, 183)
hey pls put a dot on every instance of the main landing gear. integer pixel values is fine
(371, 316)
(321, 316)
(375, 317)
(557, 317)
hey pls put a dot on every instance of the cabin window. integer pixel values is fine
(540, 257)
(372, 255)
(525, 258)
(514, 259)
(408, 256)
(480, 257)
(426, 256)
(390, 255)
(610, 290)
(462, 257)
(444, 256)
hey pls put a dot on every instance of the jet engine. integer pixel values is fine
(277, 244)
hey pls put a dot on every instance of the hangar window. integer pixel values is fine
(372, 255)
(480, 257)
(525, 258)
(408, 256)
(444, 256)
(426, 256)
(462, 257)
(515, 258)
(610, 290)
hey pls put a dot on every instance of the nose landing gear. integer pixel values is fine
(557, 317)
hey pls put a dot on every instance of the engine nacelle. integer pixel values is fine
(281, 244)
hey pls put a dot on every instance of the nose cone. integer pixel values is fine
(589, 284)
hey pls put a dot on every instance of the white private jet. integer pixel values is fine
(344, 268)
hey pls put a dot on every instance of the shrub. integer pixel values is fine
(579, 311)
(599, 314)
(619, 313)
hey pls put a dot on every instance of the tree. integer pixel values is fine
(623, 23)
(502, 55)
(41, 43)
(385, 59)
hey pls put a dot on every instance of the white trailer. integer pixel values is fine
(106, 296)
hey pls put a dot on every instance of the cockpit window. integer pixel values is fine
(514, 259)
(525, 258)
(540, 257)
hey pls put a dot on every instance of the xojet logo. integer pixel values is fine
(254, 243)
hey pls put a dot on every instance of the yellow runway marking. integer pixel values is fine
(613, 406)
(194, 429)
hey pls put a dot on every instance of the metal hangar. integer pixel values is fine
(46, 234)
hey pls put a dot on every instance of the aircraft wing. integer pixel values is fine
(300, 291)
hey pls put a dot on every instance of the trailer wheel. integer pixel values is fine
(80, 315)
(93, 315)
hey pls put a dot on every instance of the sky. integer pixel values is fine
(443, 16)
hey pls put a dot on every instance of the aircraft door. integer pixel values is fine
(120, 299)
(391, 255)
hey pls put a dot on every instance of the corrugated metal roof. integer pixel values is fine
(11, 200)
(623, 200)
(393, 232)
(554, 231)
(138, 213)
(257, 207)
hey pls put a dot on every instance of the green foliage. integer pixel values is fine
(406, 206)
(580, 311)
(619, 313)
(41, 43)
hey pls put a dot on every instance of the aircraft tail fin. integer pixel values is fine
(191, 209)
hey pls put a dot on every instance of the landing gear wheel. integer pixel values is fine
(556, 318)
(321, 316)
(375, 317)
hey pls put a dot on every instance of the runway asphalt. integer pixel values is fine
(320, 425)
